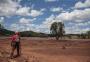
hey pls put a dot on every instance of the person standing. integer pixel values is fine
(15, 45)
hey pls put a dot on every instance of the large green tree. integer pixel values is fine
(57, 29)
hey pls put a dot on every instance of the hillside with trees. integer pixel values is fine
(57, 30)
(32, 34)
(5, 32)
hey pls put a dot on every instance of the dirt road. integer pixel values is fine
(50, 50)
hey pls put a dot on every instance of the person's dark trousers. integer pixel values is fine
(18, 48)
(13, 45)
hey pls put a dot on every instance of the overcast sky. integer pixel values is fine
(38, 15)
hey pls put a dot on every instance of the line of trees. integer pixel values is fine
(85, 35)
(57, 30)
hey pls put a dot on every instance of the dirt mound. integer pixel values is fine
(4, 57)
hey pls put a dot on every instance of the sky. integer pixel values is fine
(38, 15)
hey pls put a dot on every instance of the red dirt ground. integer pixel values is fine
(50, 50)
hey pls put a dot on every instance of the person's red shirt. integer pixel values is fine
(14, 37)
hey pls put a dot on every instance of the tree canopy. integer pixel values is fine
(57, 29)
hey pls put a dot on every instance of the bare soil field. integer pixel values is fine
(51, 50)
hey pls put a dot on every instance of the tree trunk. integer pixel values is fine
(57, 37)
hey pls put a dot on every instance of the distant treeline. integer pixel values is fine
(5, 32)
(32, 34)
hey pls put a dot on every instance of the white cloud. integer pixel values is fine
(13, 7)
(14, 27)
(23, 11)
(26, 21)
(82, 24)
(18, 1)
(51, 0)
(82, 4)
(88, 22)
(43, 9)
(17, 27)
(27, 11)
(78, 21)
(75, 15)
(77, 28)
(8, 7)
(1, 19)
(35, 13)
(27, 27)
(23, 25)
(57, 9)
(48, 21)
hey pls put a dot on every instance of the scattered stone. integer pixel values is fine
(63, 47)
(1, 54)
